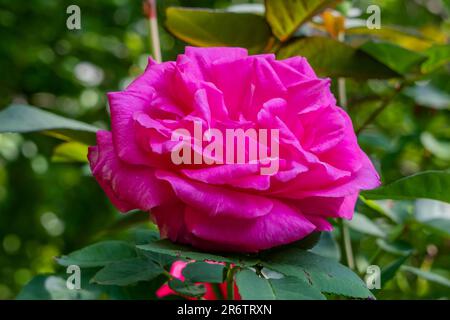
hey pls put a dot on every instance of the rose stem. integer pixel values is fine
(217, 291)
(345, 233)
(341, 81)
(230, 282)
(154, 35)
(346, 244)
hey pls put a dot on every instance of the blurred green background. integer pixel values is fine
(49, 208)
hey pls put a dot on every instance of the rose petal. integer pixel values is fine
(217, 201)
(128, 187)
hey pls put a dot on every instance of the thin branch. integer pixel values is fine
(346, 245)
(150, 8)
(384, 104)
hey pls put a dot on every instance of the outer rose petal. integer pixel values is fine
(123, 105)
(217, 201)
(128, 187)
(281, 226)
(238, 175)
(203, 58)
(341, 207)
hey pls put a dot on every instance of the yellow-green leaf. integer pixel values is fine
(206, 28)
(429, 184)
(331, 58)
(70, 152)
(408, 40)
(285, 17)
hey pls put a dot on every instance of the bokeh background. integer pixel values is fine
(49, 208)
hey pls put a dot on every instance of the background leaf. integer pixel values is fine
(397, 58)
(440, 149)
(327, 247)
(323, 273)
(52, 287)
(22, 118)
(99, 254)
(438, 56)
(411, 40)
(430, 184)
(204, 272)
(331, 58)
(175, 250)
(208, 28)
(285, 17)
(388, 272)
(127, 272)
(362, 224)
(70, 152)
(253, 287)
(427, 275)
(187, 289)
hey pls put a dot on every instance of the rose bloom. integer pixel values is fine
(232, 207)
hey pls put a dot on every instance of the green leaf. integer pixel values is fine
(438, 56)
(427, 275)
(144, 236)
(129, 220)
(388, 272)
(22, 118)
(204, 272)
(331, 58)
(325, 274)
(99, 254)
(364, 225)
(253, 287)
(396, 248)
(439, 226)
(397, 58)
(428, 184)
(70, 152)
(429, 96)
(285, 17)
(187, 289)
(327, 247)
(53, 287)
(440, 149)
(186, 252)
(433, 215)
(127, 272)
(306, 243)
(405, 38)
(207, 28)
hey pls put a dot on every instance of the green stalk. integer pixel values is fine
(230, 282)
(153, 30)
(346, 244)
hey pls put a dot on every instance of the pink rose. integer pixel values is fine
(232, 206)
